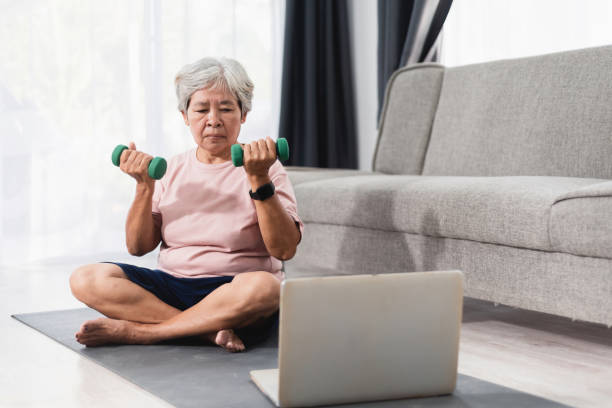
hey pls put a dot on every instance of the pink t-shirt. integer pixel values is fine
(208, 220)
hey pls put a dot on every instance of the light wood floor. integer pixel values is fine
(552, 357)
(545, 355)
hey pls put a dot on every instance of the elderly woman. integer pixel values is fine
(223, 229)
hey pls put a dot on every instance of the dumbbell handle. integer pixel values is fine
(282, 152)
(157, 166)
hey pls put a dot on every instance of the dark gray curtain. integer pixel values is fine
(408, 31)
(317, 106)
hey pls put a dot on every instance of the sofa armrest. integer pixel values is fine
(411, 101)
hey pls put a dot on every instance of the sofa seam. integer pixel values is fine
(548, 227)
(559, 200)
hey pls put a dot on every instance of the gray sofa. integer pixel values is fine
(502, 170)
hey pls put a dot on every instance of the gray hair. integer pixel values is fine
(215, 73)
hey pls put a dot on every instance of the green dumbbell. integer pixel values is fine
(282, 152)
(157, 166)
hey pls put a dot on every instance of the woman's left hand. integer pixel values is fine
(258, 157)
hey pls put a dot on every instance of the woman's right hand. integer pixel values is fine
(136, 164)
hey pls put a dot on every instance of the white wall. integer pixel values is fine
(364, 38)
(484, 30)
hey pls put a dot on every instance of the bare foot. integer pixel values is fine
(105, 331)
(228, 340)
(111, 331)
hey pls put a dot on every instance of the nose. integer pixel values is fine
(213, 119)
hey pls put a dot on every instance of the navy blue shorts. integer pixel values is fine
(182, 293)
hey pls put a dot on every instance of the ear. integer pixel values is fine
(185, 118)
(243, 118)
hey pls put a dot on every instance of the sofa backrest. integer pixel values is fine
(407, 116)
(548, 115)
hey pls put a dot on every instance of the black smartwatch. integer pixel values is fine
(264, 192)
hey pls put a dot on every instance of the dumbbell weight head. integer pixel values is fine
(282, 149)
(157, 166)
(237, 155)
(116, 156)
(282, 152)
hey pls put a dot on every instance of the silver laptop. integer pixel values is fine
(360, 338)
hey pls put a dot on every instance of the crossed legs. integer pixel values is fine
(136, 316)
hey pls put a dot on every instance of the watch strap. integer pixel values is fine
(263, 192)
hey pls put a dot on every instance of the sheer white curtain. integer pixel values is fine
(79, 77)
(484, 30)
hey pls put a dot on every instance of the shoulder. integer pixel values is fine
(278, 175)
(176, 165)
(179, 161)
(277, 169)
(181, 158)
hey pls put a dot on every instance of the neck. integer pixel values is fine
(207, 157)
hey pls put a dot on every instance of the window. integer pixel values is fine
(79, 77)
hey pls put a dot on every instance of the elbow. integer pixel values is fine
(285, 255)
(135, 251)
(141, 247)
(287, 251)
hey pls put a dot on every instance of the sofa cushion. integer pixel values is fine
(410, 104)
(581, 221)
(298, 175)
(548, 115)
(510, 211)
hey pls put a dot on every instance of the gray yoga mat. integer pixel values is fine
(187, 374)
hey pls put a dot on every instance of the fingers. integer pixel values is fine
(263, 147)
(259, 155)
(141, 163)
(126, 153)
(135, 163)
(271, 145)
(138, 162)
(260, 150)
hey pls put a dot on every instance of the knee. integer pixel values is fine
(83, 283)
(80, 281)
(261, 294)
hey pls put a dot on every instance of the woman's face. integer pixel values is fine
(214, 118)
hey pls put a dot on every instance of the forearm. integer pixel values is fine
(278, 228)
(140, 231)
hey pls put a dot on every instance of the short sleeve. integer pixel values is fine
(285, 193)
(157, 196)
